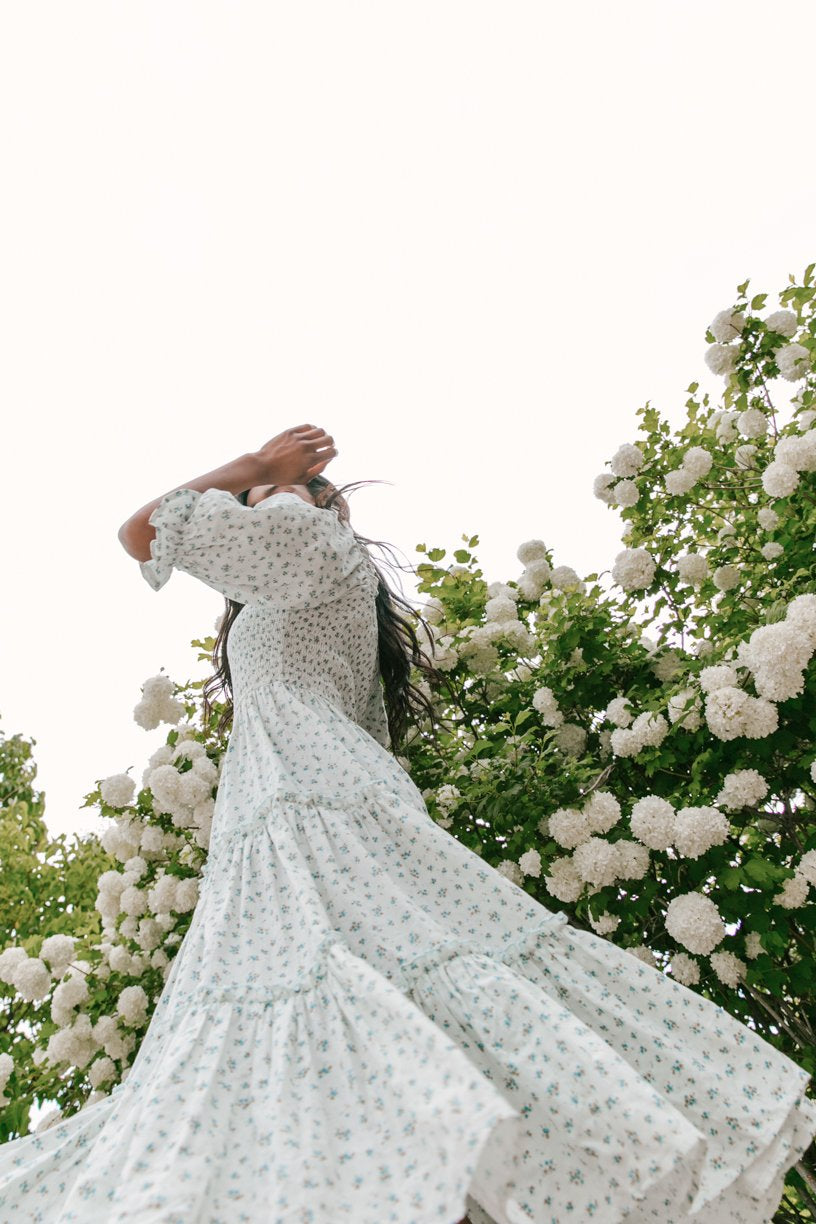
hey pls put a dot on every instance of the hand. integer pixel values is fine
(294, 456)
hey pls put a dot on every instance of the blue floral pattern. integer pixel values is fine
(367, 1023)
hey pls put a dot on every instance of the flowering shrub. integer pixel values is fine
(659, 786)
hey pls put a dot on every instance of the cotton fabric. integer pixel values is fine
(366, 1022)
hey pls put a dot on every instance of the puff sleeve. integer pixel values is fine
(281, 551)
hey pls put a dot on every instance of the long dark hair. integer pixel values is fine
(398, 644)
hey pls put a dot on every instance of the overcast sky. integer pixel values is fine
(468, 239)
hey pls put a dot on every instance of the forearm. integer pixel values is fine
(241, 473)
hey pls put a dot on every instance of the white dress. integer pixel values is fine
(365, 1022)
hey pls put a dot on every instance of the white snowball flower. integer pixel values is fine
(433, 611)
(624, 743)
(31, 979)
(768, 518)
(531, 550)
(726, 430)
(692, 569)
(806, 419)
(779, 480)
(511, 871)
(643, 953)
(793, 361)
(633, 859)
(777, 655)
(652, 822)
(563, 881)
(634, 569)
(742, 788)
(752, 423)
(728, 967)
(731, 712)
(500, 609)
(564, 578)
(702, 648)
(602, 487)
(722, 358)
(547, 706)
(684, 969)
(534, 579)
(571, 738)
(794, 892)
(627, 460)
(783, 322)
(117, 790)
(797, 452)
(447, 797)
(772, 550)
(697, 460)
(650, 729)
(801, 614)
(689, 719)
(569, 827)
(745, 458)
(726, 577)
(806, 867)
(679, 481)
(604, 924)
(619, 711)
(727, 325)
(602, 811)
(753, 945)
(502, 588)
(132, 1005)
(693, 920)
(720, 675)
(58, 950)
(626, 493)
(698, 829)
(530, 863)
(667, 665)
(596, 861)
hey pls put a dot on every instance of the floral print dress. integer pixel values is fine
(367, 1023)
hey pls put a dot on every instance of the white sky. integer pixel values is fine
(468, 239)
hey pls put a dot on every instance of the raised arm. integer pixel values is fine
(294, 456)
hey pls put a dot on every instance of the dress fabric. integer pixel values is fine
(365, 1022)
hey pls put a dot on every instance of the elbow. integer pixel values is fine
(136, 541)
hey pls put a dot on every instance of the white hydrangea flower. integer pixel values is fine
(571, 738)
(511, 871)
(563, 881)
(779, 480)
(667, 665)
(806, 419)
(698, 829)
(728, 967)
(619, 711)
(702, 648)
(772, 550)
(693, 920)
(31, 978)
(132, 1005)
(643, 953)
(652, 822)
(727, 325)
(626, 493)
(602, 811)
(569, 827)
(531, 550)
(689, 719)
(768, 518)
(530, 863)
(685, 969)
(801, 614)
(777, 655)
(726, 577)
(753, 945)
(624, 743)
(596, 861)
(742, 788)
(722, 358)
(692, 569)
(783, 322)
(57, 950)
(500, 608)
(545, 703)
(794, 892)
(650, 729)
(752, 423)
(633, 859)
(447, 797)
(697, 460)
(602, 487)
(793, 361)
(627, 460)
(604, 924)
(634, 569)
(433, 611)
(534, 579)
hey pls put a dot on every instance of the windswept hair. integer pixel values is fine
(399, 649)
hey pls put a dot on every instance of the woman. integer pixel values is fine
(364, 1021)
